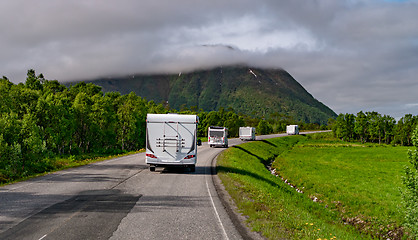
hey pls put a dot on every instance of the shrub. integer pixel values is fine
(410, 195)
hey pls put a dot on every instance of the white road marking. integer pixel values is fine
(42, 237)
(216, 211)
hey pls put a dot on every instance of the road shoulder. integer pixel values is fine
(229, 205)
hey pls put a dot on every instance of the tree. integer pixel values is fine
(350, 122)
(213, 118)
(404, 128)
(360, 126)
(32, 81)
(62, 127)
(103, 116)
(264, 127)
(375, 126)
(410, 181)
(23, 99)
(4, 159)
(388, 127)
(131, 122)
(32, 144)
(5, 100)
(53, 86)
(82, 107)
(88, 88)
(233, 122)
(10, 127)
(344, 126)
(201, 128)
(10, 149)
(154, 108)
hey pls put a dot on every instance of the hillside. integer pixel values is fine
(251, 91)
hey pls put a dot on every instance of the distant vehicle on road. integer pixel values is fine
(171, 140)
(217, 136)
(292, 129)
(247, 133)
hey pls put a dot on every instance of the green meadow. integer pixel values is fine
(321, 188)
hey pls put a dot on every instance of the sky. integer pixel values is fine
(352, 55)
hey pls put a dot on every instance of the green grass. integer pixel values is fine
(357, 187)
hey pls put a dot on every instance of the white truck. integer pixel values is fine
(292, 129)
(247, 133)
(171, 140)
(217, 136)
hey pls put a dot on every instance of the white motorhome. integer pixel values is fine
(292, 129)
(217, 136)
(171, 140)
(247, 133)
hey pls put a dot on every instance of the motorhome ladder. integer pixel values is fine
(170, 141)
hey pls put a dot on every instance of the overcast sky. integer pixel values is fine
(352, 55)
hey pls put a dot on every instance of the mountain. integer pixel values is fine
(252, 91)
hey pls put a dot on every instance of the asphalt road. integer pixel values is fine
(121, 199)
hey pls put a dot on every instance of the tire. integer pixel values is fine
(192, 168)
(152, 168)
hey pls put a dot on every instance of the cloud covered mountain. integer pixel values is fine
(251, 91)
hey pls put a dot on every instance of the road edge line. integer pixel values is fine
(237, 219)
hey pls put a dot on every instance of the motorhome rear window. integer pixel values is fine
(216, 133)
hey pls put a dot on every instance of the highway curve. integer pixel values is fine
(121, 199)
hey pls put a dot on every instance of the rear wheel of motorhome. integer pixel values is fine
(192, 168)
(152, 168)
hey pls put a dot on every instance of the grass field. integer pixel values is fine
(350, 190)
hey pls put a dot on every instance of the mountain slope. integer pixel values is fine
(251, 91)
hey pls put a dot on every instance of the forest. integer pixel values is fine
(41, 120)
(375, 128)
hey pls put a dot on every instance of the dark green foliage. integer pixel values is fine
(42, 119)
(270, 92)
(373, 127)
(223, 118)
(344, 127)
(410, 181)
(33, 81)
(264, 128)
(360, 127)
(404, 129)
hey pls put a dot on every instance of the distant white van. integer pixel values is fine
(292, 129)
(217, 136)
(171, 140)
(247, 133)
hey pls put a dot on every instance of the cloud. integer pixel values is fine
(352, 55)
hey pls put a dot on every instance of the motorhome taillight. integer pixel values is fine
(190, 156)
(150, 155)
